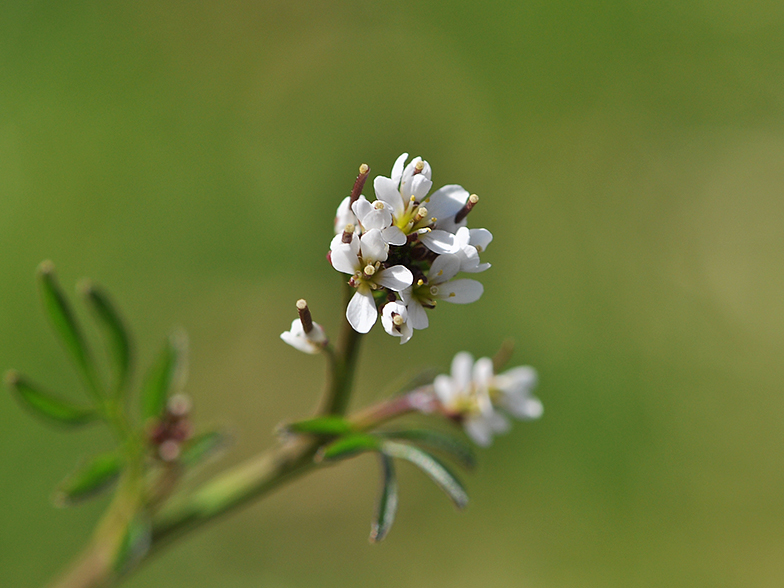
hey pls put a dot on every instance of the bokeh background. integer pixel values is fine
(628, 155)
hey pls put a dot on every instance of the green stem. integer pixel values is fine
(341, 365)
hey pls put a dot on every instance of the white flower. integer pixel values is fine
(378, 215)
(361, 257)
(471, 391)
(312, 342)
(404, 192)
(423, 295)
(394, 317)
(305, 335)
(345, 216)
(471, 243)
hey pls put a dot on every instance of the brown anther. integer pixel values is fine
(463, 212)
(348, 234)
(420, 165)
(304, 315)
(359, 184)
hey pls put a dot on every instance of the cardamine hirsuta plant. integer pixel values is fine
(397, 256)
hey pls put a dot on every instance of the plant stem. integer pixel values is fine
(341, 366)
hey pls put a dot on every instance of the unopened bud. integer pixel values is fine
(463, 212)
(304, 315)
(179, 405)
(359, 183)
(169, 450)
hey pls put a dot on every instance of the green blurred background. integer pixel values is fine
(189, 156)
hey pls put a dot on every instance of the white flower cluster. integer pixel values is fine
(403, 250)
(472, 395)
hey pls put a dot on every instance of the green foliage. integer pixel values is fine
(202, 446)
(349, 446)
(165, 375)
(89, 479)
(437, 471)
(48, 405)
(455, 447)
(326, 425)
(111, 323)
(387, 502)
(65, 325)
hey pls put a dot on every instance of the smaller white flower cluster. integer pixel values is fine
(472, 395)
(403, 250)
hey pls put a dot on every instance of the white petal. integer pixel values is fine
(443, 269)
(397, 278)
(397, 168)
(417, 316)
(361, 311)
(344, 259)
(523, 407)
(476, 269)
(377, 218)
(483, 372)
(300, 343)
(445, 389)
(516, 380)
(406, 333)
(386, 191)
(460, 291)
(479, 431)
(480, 238)
(394, 236)
(439, 241)
(361, 207)
(420, 186)
(498, 423)
(373, 247)
(446, 202)
(462, 364)
(344, 216)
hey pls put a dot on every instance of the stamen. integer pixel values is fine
(420, 282)
(378, 205)
(359, 183)
(420, 214)
(348, 234)
(304, 315)
(463, 212)
(420, 165)
(397, 319)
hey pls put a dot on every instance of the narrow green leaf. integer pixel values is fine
(88, 479)
(437, 471)
(48, 405)
(203, 446)
(456, 448)
(166, 374)
(64, 323)
(135, 543)
(328, 425)
(349, 446)
(110, 321)
(387, 502)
